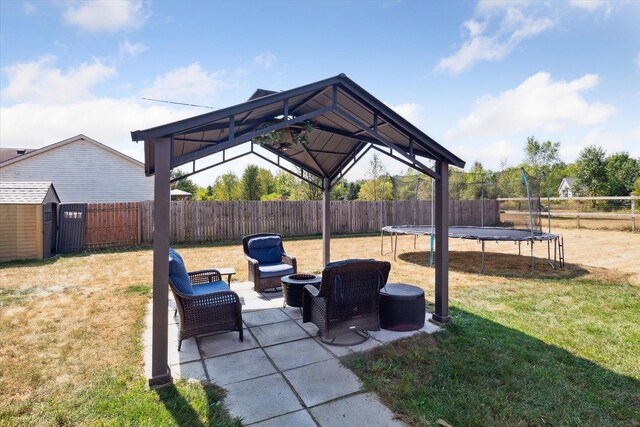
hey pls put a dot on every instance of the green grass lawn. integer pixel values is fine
(524, 352)
(559, 348)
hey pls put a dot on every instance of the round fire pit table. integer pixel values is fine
(292, 286)
(402, 307)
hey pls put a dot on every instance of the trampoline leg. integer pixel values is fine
(382, 243)
(483, 257)
(395, 249)
(415, 241)
(532, 261)
(519, 252)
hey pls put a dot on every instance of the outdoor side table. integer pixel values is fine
(293, 285)
(402, 307)
(227, 271)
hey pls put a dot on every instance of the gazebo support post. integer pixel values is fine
(326, 221)
(160, 371)
(442, 244)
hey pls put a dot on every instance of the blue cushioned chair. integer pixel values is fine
(267, 260)
(203, 300)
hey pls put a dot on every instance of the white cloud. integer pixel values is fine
(538, 103)
(489, 154)
(592, 5)
(127, 48)
(266, 60)
(28, 8)
(39, 81)
(186, 84)
(611, 141)
(494, 33)
(110, 121)
(410, 111)
(106, 15)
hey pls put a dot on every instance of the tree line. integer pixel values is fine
(595, 174)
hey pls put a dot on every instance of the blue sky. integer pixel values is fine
(478, 77)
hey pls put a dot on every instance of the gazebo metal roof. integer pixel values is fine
(347, 122)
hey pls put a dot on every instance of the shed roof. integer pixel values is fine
(178, 192)
(27, 193)
(347, 121)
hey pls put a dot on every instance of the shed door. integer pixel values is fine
(72, 220)
(50, 229)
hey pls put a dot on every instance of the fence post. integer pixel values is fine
(633, 213)
(578, 214)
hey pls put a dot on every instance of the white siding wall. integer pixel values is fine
(83, 172)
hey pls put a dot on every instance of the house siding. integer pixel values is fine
(83, 172)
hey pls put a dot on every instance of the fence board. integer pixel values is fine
(112, 224)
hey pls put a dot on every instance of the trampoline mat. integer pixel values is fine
(474, 233)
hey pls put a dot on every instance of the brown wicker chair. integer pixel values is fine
(267, 260)
(206, 311)
(347, 300)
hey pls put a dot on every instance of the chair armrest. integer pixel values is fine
(204, 276)
(251, 260)
(291, 260)
(312, 290)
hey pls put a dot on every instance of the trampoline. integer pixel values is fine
(482, 233)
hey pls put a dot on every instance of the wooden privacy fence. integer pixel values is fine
(112, 225)
(209, 221)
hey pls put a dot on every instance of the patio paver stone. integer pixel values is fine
(264, 317)
(295, 419)
(189, 371)
(225, 343)
(360, 410)
(323, 381)
(298, 353)
(277, 333)
(247, 399)
(241, 366)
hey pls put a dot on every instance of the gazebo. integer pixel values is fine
(341, 122)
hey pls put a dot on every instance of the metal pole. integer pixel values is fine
(525, 181)
(633, 213)
(482, 206)
(433, 214)
(326, 221)
(160, 371)
(483, 257)
(441, 314)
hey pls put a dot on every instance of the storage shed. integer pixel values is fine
(28, 220)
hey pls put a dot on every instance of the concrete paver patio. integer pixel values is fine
(280, 375)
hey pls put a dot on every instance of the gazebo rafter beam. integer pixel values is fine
(245, 137)
(403, 161)
(415, 162)
(357, 156)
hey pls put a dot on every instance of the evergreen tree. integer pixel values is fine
(251, 186)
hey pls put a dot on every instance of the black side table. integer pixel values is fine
(292, 286)
(402, 307)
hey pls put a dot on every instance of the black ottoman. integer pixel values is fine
(402, 307)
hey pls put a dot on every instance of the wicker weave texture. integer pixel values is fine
(260, 284)
(347, 300)
(213, 312)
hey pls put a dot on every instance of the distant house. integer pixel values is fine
(566, 187)
(82, 170)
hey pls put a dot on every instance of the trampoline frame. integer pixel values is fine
(501, 234)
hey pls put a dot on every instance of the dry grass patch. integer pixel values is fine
(70, 328)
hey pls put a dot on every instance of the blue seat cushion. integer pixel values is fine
(265, 249)
(207, 288)
(274, 269)
(178, 273)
